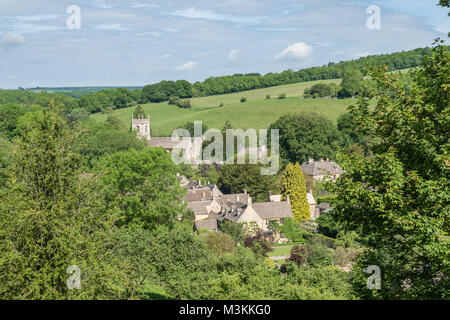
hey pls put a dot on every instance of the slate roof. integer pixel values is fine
(164, 142)
(273, 210)
(198, 195)
(229, 199)
(206, 224)
(317, 168)
(199, 208)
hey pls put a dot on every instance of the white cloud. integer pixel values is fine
(234, 54)
(299, 50)
(187, 66)
(37, 17)
(101, 4)
(144, 5)
(192, 13)
(110, 27)
(167, 56)
(12, 40)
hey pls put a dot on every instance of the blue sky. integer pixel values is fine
(127, 42)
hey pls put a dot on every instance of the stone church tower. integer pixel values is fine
(142, 126)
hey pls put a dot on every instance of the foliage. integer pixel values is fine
(243, 99)
(349, 130)
(139, 113)
(50, 220)
(218, 242)
(258, 243)
(235, 230)
(239, 177)
(143, 187)
(306, 135)
(300, 254)
(400, 195)
(102, 139)
(293, 186)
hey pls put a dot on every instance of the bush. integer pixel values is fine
(185, 104)
(268, 97)
(173, 100)
(218, 242)
(301, 254)
(282, 96)
(243, 99)
(258, 243)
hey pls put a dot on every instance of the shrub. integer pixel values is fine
(268, 97)
(301, 254)
(173, 100)
(243, 99)
(218, 242)
(258, 243)
(185, 104)
(282, 96)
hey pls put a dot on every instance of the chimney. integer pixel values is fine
(199, 183)
(287, 199)
(310, 161)
(328, 159)
(270, 195)
(237, 198)
(245, 191)
(310, 191)
(178, 174)
(321, 159)
(208, 182)
(249, 201)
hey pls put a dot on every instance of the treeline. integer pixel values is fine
(108, 99)
(228, 84)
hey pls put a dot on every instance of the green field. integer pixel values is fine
(256, 113)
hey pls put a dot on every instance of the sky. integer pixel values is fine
(134, 43)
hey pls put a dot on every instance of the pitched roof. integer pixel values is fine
(164, 142)
(316, 168)
(199, 208)
(229, 199)
(198, 195)
(206, 224)
(273, 210)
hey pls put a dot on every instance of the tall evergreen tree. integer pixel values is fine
(294, 186)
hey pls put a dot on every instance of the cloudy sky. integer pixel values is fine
(127, 42)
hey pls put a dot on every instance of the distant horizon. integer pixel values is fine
(109, 42)
(225, 75)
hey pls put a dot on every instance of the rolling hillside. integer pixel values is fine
(257, 112)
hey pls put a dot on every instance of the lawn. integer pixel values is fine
(256, 113)
(280, 251)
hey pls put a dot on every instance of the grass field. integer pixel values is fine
(256, 113)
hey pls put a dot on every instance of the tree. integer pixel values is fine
(143, 187)
(349, 130)
(139, 113)
(321, 89)
(352, 83)
(294, 186)
(258, 243)
(235, 230)
(399, 195)
(306, 135)
(239, 177)
(50, 220)
(218, 242)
